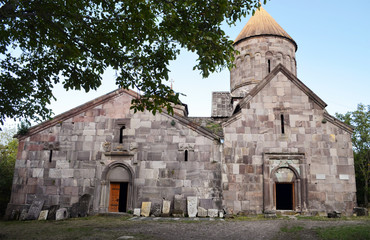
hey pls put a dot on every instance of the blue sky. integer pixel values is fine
(333, 55)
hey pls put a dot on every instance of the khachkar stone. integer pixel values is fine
(192, 206)
(137, 212)
(212, 213)
(35, 209)
(43, 215)
(166, 208)
(23, 215)
(179, 206)
(145, 209)
(61, 214)
(202, 212)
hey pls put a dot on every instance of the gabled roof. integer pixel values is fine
(262, 24)
(312, 96)
(105, 98)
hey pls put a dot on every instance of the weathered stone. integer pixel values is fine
(360, 211)
(212, 213)
(221, 214)
(206, 203)
(145, 209)
(61, 214)
(202, 212)
(52, 212)
(43, 215)
(334, 214)
(34, 211)
(81, 208)
(23, 215)
(166, 207)
(192, 203)
(137, 211)
(270, 214)
(179, 208)
(156, 209)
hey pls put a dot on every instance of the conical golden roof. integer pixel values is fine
(262, 24)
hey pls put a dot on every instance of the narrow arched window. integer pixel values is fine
(186, 155)
(269, 65)
(121, 134)
(51, 156)
(282, 124)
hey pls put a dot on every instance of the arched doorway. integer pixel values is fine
(284, 188)
(117, 188)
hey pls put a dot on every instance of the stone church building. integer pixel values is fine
(268, 145)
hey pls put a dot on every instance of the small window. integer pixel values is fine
(51, 156)
(186, 155)
(121, 134)
(282, 124)
(269, 65)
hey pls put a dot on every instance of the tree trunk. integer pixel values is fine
(366, 201)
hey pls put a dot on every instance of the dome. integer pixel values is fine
(262, 24)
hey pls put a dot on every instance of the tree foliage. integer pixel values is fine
(50, 41)
(8, 154)
(360, 120)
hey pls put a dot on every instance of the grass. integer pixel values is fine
(292, 229)
(357, 232)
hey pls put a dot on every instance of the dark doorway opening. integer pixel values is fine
(284, 196)
(123, 197)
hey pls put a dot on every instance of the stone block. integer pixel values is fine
(156, 209)
(212, 213)
(179, 206)
(34, 211)
(137, 212)
(206, 203)
(52, 212)
(81, 208)
(334, 214)
(166, 207)
(145, 209)
(221, 214)
(202, 212)
(360, 211)
(23, 215)
(61, 214)
(43, 215)
(192, 204)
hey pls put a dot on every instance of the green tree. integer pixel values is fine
(360, 120)
(8, 154)
(74, 42)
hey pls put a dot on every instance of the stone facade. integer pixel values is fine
(269, 145)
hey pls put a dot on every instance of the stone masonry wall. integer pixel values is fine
(327, 150)
(153, 147)
(252, 62)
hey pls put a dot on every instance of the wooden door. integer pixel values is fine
(114, 197)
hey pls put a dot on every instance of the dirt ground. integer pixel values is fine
(108, 227)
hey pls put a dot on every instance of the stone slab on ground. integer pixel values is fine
(61, 214)
(35, 209)
(43, 215)
(137, 212)
(213, 213)
(166, 207)
(179, 206)
(192, 203)
(202, 212)
(52, 212)
(156, 209)
(145, 209)
(23, 215)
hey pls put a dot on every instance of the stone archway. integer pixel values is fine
(284, 182)
(117, 194)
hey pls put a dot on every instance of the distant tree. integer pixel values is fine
(360, 120)
(8, 154)
(46, 42)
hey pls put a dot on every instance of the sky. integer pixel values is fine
(333, 58)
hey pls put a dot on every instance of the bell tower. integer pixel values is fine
(262, 45)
